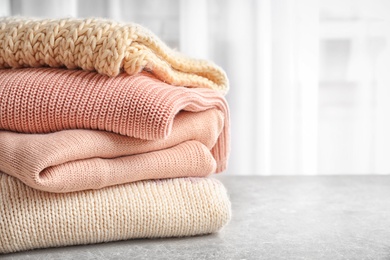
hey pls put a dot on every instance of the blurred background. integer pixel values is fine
(309, 79)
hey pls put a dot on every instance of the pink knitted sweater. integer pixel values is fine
(74, 160)
(44, 100)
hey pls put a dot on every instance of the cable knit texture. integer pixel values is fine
(44, 100)
(102, 45)
(73, 160)
(147, 209)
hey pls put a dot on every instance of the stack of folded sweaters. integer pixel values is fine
(106, 134)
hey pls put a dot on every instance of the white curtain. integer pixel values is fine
(310, 87)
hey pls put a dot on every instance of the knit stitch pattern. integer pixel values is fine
(102, 45)
(147, 209)
(44, 100)
(73, 160)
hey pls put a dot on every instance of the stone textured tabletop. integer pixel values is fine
(297, 217)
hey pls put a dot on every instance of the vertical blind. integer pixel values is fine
(309, 78)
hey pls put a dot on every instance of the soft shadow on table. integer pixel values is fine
(180, 248)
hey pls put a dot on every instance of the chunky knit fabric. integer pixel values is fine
(147, 209)
(43, 100)
(102, 45)
(73, 160)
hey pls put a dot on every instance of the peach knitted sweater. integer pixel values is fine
(30, 218)
(74, 160)
(44, 100)
(102, 45)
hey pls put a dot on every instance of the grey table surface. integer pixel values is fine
(295, 217)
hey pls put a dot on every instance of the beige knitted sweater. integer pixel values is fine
(147, 209)
(102, 45)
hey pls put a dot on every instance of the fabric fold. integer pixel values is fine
(73, 160)
(178, 207)
(102, 45)
(44, 100)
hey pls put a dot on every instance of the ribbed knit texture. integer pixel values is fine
(43, 100)
(147, 209)
(73, 160)
(102, 45)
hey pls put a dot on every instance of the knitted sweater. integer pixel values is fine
(147, 209)
(73, 160)
(102, 45)
(43, 100)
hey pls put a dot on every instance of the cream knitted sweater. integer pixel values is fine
(147, 209)
(102, 45)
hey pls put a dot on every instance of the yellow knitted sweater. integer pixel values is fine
(102, 45)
